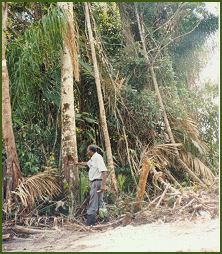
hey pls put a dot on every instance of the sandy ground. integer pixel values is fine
(201, 235)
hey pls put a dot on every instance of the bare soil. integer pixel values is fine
(192, 224)
(201, 235)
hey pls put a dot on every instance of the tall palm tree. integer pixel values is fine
(68, 139)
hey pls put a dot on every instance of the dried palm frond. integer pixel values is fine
(37, 187)
(160, 154)
(200, 169)
(70, 37)
(186, 157)
(189, 127)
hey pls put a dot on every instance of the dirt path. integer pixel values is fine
(200, 235)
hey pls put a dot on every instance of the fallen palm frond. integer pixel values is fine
(162, 154)
(189, 127)
(186, 157)
(197, 166)
(201, 169)
(36, 187)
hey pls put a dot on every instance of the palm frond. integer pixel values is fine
(38, 46)
(162, 153)
(36, 187)
(186, 157)
(87, 68)
(188, 127)
(70, 37)
(202, 170)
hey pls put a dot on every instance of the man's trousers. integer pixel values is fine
(96, 198)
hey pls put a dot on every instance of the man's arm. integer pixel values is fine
(72, 159)
(103, 187)
(80, 163)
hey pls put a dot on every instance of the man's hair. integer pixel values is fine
(92, 148)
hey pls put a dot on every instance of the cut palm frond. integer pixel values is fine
(37, 187)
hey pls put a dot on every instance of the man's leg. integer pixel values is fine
(90, 220)
(103, 206)
(93, 205)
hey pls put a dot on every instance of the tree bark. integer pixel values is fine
(100, 99)
(150, 66)
(13, 169)
(68, 137)
(142, 184)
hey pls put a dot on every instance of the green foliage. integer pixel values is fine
(170, 201)
(34, 71)
(120, 181)
(125, 170)
(36, 52)
(122, 205)
(33, 144)
(103, 212)
(83, 185)
(108, 24)
(207, 115)
(33, 61)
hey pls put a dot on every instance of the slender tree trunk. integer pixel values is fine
(13, 168)
(100, 99)
(150, 66)
(68, 142)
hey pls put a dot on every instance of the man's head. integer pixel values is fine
(91, 149)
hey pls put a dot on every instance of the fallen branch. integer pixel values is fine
(110, 224)
(7, 236)
(158, 177)
(163, 195)
(189, 203)
(206, 206)
(172, 178)
(21, 229)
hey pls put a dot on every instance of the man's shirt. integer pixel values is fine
(96, 167)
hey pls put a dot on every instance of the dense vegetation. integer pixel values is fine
(134, 116)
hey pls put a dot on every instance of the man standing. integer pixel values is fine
(97, 176)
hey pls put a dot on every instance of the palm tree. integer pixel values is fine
(68, 138)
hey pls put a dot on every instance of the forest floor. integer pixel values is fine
(184, 230)
(201, 235)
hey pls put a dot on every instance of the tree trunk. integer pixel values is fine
(13, 168)
(141, 31)
(100, 99)
(142, 184)
(68, 138)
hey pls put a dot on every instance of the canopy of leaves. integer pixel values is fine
(175, 34)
